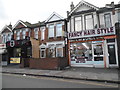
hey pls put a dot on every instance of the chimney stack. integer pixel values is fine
(72, 6)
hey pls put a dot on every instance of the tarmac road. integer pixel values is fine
(22, 81)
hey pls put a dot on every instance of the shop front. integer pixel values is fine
(93, 48)
(18, 50)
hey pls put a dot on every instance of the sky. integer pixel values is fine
(38, 10)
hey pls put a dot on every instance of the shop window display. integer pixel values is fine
(81, 52)
(17, 52)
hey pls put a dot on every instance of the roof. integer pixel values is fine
(83, 3)
(54, 17)
(9, 27)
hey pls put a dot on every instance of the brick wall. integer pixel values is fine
(48, 63)
(35, 48)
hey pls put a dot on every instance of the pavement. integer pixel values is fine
(111, 75)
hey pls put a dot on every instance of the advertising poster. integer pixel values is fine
(15, 60)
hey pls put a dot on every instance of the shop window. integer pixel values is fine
(78, 23)
(29, 52)
(51, 31)
(42, 53)
(17, 52)
(107, 20)
(98, 50)
(89, 22)
(59, 30)
(59, 52)
(110, 40)
(81, 52)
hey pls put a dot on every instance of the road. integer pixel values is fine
(21, 81)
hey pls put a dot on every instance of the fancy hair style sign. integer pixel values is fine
(92, 33)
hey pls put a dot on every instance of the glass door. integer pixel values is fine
(98, 54)
(112, 54)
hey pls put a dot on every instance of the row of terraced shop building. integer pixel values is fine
(88, 37)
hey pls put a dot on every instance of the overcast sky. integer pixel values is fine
(38, 10)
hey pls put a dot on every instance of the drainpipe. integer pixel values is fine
(117, 27)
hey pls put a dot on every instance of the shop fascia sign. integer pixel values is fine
(92, 33)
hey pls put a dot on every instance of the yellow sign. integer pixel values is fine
(14, 60)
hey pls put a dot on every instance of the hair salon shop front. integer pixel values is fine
(93, 48)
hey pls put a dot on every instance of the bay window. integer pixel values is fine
(59, 30)
(78, 23)
(59, 52)
(18, 35)
(36, 33)
(119, 17)
(51, 31)
(9, 37)
(24, 34)
(51, 50)
(107, 20)
(89, 22)
(42, 34)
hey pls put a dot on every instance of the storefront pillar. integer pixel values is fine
(69, 61)
(117, 26)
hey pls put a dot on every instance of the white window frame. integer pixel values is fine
(23, 34)
(36, 33)
(57, 51)
(51, 30)
(4, 38)
(78, 23)
(44, 50)
(18, 35)
(42, 34)
(119, 16)
(59, 33)
(108, 22)
(91, 26)
(9, 37)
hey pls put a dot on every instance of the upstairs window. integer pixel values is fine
(89, 22)
(59, 30)
(42, 34)
(51, 31)
(119, 17)
(78, 23)
(24, 34)
(4, 38)
(18, 35)
(36, 33)
(107, 20)
(9, 37)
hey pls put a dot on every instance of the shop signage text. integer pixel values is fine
(15, 60)
(92, 33)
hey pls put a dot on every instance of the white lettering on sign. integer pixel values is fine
(92, 33)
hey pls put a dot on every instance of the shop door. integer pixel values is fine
(98, 55)
(112, 55)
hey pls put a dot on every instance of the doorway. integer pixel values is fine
(112, 54)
